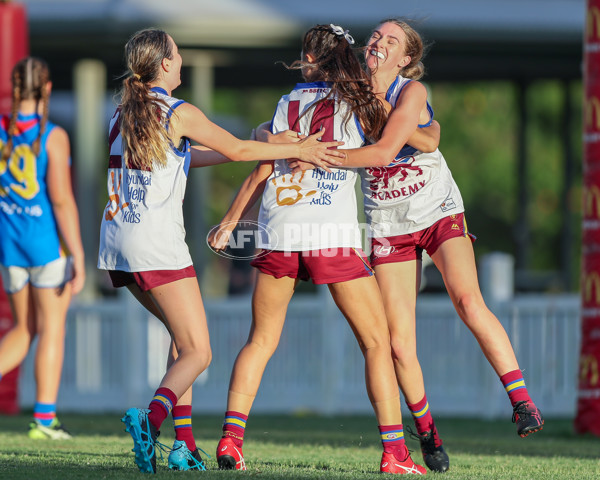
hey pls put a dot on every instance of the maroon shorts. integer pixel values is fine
(324, 266)
(150, 279)
(403, 248)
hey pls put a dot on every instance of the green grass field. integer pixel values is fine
(301, 447)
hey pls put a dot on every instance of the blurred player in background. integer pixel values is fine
(41, 254)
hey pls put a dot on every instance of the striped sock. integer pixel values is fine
(44, 413)
(234, 426)
(182, 421)
(392, 439)
(160, 406)
(422, 415)
(515, 387)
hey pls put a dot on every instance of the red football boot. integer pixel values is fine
(229, 455)
(391, 464)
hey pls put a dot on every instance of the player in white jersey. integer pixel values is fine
(142, 236)
(415, 205)
(311, 218)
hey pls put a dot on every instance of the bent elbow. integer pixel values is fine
(432, 147)
(381, 156)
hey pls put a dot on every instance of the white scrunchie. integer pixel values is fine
(340, 31)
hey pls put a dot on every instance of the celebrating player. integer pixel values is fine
(314, 217)
(413, 204)
(41, 254)
(142, 239)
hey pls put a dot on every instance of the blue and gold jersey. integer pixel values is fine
(29, 236)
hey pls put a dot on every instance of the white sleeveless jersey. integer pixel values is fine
(315, 209)
(142, 225)
(413, 192)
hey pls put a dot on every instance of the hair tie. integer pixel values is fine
(137, 77)
(339, 31)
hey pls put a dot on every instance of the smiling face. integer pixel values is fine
(386, 49)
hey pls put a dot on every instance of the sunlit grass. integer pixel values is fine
(305, 447)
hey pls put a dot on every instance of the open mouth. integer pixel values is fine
(377, 54)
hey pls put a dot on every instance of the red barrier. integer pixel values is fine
(14, 45)
(588, 402)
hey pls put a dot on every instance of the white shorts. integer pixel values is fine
(52, 275)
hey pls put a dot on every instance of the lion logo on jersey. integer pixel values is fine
(398, 169)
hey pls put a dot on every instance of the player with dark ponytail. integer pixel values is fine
(314, 216)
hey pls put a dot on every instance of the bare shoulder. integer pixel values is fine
(185, 117)
(413, 96)
(187, 110)
(58, 145)
(414, 88)
(58, 135)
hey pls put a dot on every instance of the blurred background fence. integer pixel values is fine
(318, 366)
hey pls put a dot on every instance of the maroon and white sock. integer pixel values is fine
(161, 405)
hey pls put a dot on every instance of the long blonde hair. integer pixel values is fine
(142, 121)
(30, 77)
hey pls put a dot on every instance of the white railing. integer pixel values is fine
(116, 353)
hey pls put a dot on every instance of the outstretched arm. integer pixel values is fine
(249, 192)
(205, 157)
(190, 122)
(63, 202)
(425, 139)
